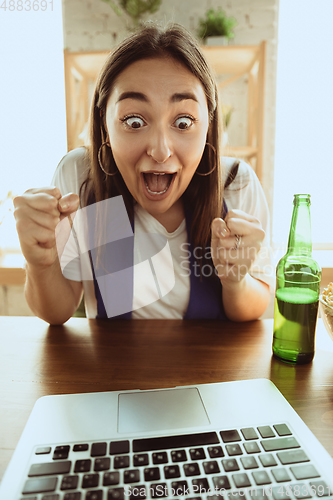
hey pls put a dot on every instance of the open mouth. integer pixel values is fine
(157, 183)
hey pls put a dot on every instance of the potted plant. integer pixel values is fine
(134, 8)
(216, 28)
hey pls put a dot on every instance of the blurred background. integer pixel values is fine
(274, 73)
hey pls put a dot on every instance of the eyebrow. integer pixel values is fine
(139, 96)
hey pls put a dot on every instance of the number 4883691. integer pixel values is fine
(26, 5)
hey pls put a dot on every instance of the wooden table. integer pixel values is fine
(90, 356)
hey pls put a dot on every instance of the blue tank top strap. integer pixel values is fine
(205, 287)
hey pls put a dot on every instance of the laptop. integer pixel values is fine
(224, 441)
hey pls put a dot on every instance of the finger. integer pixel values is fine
(239, 214)
(43, 202)
(51, 190)
(252, 240)
(219, 228)
(33, 235)
(69, 204)
(244, 227)
(44, 219)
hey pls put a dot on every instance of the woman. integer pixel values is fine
(155, 142)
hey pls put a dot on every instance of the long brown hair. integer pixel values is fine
(204, 195)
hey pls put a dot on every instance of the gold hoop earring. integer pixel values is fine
(215, 161)
(100, 162)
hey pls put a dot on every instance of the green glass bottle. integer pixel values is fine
(297, 291)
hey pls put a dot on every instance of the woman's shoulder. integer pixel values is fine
(244, 174)
(72, 171)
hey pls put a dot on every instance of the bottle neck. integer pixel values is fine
(300, 242)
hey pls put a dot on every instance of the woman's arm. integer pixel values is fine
(50, 296)
(244, 297)
(38, 212)
(245, 300)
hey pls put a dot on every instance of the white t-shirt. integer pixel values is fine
(168, 301)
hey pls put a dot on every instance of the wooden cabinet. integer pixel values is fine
(231, 63)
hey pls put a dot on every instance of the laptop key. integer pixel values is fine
(98, 450)
(278, 444)
(102, 464)
(301, 490)
(169, 442)
(200, 485)
(252, 447)
(178, 456)
(132, 476)
(121, 462)
(172, 471)
(90, 480)
(267, 460)
(304, 472)
(160, 458)
(119, 447)
(81, 447)
(82, 465)
(211, 467)
(282, 492)
(237, 495)
(320, 488)
(266, 431)
(179, 488)
(110, 478)
(215, 451)
(241, 480)
(69, 482)
(197, 454)
(261, 477)
(282, 429)
(136, 492)
(221, 483)
(159, 490)
(50, 468)
(192, 469)
(53, 496)
(249, 463)
(43, 450)
(94, 495)
(61, 452)
(280, 475)
(72, 496)
(230, 436)
(234, 449)
(260, 493)
(115, 494)
(292, 457)
(152, 474)
(249, 433)
(230, 465)
(140, 460)
(40, 485)
(29, 498)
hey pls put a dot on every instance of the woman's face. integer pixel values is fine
(157, 122)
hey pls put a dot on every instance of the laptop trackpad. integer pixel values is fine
(161, 410)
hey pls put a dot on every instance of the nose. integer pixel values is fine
(159, 147)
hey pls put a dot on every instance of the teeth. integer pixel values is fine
(156, 192)
(159, 173)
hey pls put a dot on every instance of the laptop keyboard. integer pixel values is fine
(253, 463)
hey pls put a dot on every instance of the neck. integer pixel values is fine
(172, 218)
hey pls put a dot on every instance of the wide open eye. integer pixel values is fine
(184, 122)
(133, 121)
